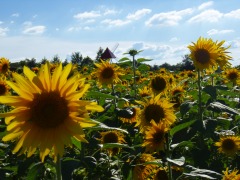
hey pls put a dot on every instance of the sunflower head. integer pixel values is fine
(155, 137)
(204, 53)
(232, 75)
(228, 145)
(156, 109)
(4, 88)
(233, 175)
(112, 137)
(160, 174)
(159, 84)
(132, 115)
(107, 73)
(144, 92)
(48, 112)
(4, 65)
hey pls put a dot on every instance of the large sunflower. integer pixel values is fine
(4, 65)
(47, 113)
(233, 175)
(155, 137)
(228, 145)
(107, 73)
(204, 53)
(156, 109)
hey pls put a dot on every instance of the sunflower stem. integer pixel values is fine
(134, 77)
(58, 168)
(169, 156)
(199, 96)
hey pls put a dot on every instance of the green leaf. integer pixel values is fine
(77, 143)
(186, 106)
(123, 59)
(143, 67)
(219, 107)
(212, 91)
(224, 123)
(143, 60)
(183, 144)
(181, 126)
(34, 170)
(101, 126)
(155, 162)
(178, 162)
(114, 145)
(99, 94)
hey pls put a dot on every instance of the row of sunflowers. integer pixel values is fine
(122, 120)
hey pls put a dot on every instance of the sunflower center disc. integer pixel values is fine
(228, 145)
(110, 138)
(107, 73)
(155, 112)
(233, 76)
(3, 89)
(202, 56)
(158, 83)
(49, 110)
(158, 136)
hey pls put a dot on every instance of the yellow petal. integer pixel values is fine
(20, 91)
(33, 77)
(12, 136)
(20, 143)
(94, 107)
(64, 75)
(47, 76)
(14, 101)
(56, 76)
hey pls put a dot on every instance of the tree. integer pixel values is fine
(99, 53)
(76, 58)
(187, 63)
(44, 60)
(87, 61)
(56, 59)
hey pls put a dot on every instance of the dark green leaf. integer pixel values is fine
(181, 126)
(178, 162)
(183, 144)
(34, 170)
(113, 145)
(212, 91)
(76, 143)
(143, 60)
(186, 106)
(219, 107)
(123, 59)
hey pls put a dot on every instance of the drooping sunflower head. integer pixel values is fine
(223, 59)
(204, 53)
(156, 109)
(140, 171)
(107, 73)
(232, 75)
(4, 65)
(112, 137)
(131, 115)
(228, 145)
(4, 88)
(159, 84)
(48, 112)
(155, 137)
(160, 174)
(233, 175)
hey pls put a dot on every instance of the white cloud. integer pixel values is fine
(174, 39)
(116, 22)
(138, 14)
(15, 15)
(87, 15)
(233, 14)
(110, 12)
(170, 18)
(1, 22)
(34, 30)
(3, 31)
(215, 31)
(210, 15)
(205, 5)
(27, 23)
(90, 21)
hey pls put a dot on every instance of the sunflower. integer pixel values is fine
(161, 174)
(177, 92)
(144, 92)
(112, 137)
(4, 65)
(47, 113)
(141, 171)
(107, 73)
(204, 53)
(155, 137)
(132, 116)
(231, 176)
(228, 145)
(156, 109)
(159, 84)
(232, 75)
(4, 88)
(223, 59)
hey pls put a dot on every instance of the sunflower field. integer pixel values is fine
(122, 121)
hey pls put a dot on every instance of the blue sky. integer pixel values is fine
(162, 28)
